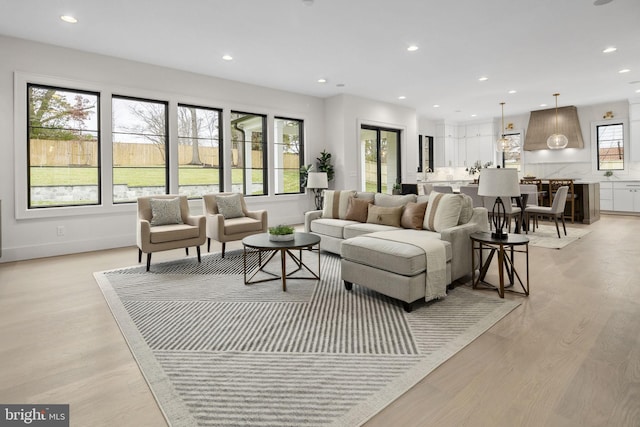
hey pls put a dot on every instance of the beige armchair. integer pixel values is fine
(173, 230)
(224, 229)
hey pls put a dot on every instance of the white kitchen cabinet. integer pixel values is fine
(477, 142)
(626, 196)
(606, 196)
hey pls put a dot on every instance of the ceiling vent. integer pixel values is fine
(542, 124)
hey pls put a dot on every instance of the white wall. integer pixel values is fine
(345, 114)
(110, 225)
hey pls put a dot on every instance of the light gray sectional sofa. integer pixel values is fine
(355, 225)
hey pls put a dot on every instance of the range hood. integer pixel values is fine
(542, 124)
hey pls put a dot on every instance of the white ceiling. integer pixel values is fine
(536, 47)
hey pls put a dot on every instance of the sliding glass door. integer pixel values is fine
(380, 154)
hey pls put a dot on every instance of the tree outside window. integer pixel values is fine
(199, 151)
(63, 147)
(139, 133)
(288, 155)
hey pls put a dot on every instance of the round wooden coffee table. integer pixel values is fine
(260, 243)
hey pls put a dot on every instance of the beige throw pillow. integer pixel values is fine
(357, 210)
(335, 203)
(443, 211)
(384, 215)
(413, 215)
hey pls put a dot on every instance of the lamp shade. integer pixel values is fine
(499, 183)
(317, 180)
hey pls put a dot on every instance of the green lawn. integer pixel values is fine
(148, 176)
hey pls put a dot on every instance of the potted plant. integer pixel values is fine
(397, 188)
(324, 164)
(281, 233)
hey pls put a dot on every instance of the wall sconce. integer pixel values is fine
(608, 115)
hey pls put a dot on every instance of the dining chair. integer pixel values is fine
(555, 211)
(472, 191)
(555, 184)
(538, 184)
(443, 189)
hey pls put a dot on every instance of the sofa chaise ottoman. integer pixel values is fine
(396, 268)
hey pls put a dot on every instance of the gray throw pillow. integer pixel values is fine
(165, 211)
(230, 206)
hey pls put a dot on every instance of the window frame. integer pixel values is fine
(98, 131)
(521, 163)
(598, 159)
(265, 155)
(221, 159)
(167, 145)
(379, 129)
(626, 144)
(301, 152)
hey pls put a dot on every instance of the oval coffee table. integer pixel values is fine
(260, 243)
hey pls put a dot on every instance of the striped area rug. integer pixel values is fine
(216, 352)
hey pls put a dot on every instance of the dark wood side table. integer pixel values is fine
(260, 243)
(506, 249)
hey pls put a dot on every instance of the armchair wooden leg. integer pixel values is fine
(187, 251)
(139, 256)
(198, 251)
(148, 261)
(208, 244)
(223, 248)
(564, 227)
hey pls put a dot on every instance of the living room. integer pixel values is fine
(39, 260)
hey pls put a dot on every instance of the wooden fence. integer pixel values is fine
(85, 153)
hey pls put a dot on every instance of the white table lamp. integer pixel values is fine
(317, 181)
(498, 183)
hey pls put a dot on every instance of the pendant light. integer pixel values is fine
(503, 144)
(557, 141)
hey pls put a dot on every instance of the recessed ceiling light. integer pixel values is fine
(413, 48)
(474, 115)
(340, 85)
(68, 18)
(513, 91)
(436, 106)
(610, 49)
(322, 80)
(402, 97)
(624, 70)
(483, 79)
(543, 105)
(601, 2)
(637, 90)
(227, 57)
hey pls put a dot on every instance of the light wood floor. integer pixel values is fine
(568, 356)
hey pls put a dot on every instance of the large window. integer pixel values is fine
(288, 155)
(199, 150)
(248, 153)
(63, 147)
(610, 146)
(139, 148)
(380, 154)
